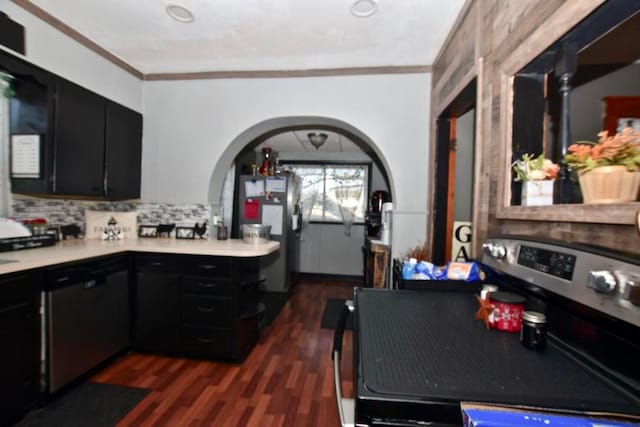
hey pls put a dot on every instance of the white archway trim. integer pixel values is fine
(227, 158)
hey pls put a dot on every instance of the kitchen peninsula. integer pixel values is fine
(77, 250)
(73, 306)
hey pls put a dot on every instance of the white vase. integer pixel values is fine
(537, 193)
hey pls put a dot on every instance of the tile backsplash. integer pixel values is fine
(59, 212)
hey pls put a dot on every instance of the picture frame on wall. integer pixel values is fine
(185, 233)
(26, 156)
(148, 231)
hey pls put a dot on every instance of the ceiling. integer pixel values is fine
(298, 142)
(245, 35)
(262, 35)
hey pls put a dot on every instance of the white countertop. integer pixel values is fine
(75, 250)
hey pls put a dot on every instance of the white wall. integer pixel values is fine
(326, 249)
(465, 142)
(587, 108)
(50, 49)
(188, 125)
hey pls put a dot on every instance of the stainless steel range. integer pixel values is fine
(418, 355)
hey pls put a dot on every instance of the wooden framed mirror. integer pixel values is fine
(603, 38)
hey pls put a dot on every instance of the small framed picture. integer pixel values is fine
(185, 233)
(148, 231)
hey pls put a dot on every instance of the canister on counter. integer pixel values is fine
(507, 309)
(533, 334)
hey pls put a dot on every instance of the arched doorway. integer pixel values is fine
(263, 130)
(319, 248)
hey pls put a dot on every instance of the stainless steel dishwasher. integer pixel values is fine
(87, 312)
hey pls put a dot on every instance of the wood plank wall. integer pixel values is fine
(484, 37)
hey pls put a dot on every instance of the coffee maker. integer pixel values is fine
(373, 217)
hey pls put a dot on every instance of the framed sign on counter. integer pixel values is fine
(26, 153)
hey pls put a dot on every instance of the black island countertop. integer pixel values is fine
(421, 352)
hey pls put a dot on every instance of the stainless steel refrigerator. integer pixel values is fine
(272, 200)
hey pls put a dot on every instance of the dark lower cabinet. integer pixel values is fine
(20, 338)
(198, 306)
(157, 303)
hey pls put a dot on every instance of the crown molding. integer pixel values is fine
(262, 74)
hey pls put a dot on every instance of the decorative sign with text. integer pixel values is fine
(461, 241)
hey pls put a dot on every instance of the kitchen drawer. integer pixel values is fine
(206, 342)
(207, 286)
(211, 266)
(210, 311)
(157, 262)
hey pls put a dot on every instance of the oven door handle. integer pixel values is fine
(346, 407)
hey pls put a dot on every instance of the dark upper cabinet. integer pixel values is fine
(31, 112)
(90, 146)
(123, 152)
(98, 145)
(79, 141)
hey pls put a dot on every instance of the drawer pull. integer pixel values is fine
(207, 266)
(156, 264)
(62, 279)
(205, 340)
(206, 309)
(207, 285)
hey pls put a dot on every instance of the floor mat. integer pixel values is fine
(331, 314)
(88, 404)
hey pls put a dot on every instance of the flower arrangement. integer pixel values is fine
(621, 149)
(530, 168)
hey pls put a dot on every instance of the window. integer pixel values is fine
(333, 192)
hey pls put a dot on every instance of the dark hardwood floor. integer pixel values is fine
(287, 380)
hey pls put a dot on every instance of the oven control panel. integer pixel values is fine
(551, 262)
(600, 279)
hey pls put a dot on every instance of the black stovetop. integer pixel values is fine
(419, 354)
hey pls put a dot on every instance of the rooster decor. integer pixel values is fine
(200, 230)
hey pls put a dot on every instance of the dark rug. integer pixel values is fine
(273, 301)
(88, 404)
(331, 315)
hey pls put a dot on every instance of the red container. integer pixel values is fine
(507, 311)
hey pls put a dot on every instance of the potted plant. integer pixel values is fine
(609, 170)
(537, 175)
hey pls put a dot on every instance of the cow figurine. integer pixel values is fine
(165, 230)
(71, 230)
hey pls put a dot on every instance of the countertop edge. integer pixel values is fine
(78, 250)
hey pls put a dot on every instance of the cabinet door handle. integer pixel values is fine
(207, 266)
(205, 340)
(206, 309)
(207, 285)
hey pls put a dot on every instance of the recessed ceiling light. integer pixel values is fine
(364, 8)
(180, 13)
